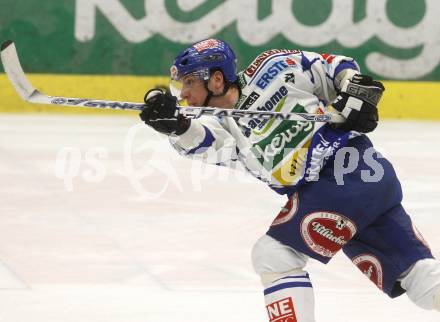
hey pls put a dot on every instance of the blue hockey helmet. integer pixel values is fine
(203, 56)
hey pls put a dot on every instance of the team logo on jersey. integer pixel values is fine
(260, 59)
(289, 78)
(282, 311)
(288, 211)
(326, 233)
(371, 267)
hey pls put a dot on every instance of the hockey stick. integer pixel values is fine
(27, 92)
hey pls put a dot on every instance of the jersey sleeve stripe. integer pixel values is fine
(206, 143)
(345, 65)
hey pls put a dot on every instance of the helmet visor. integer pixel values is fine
(180, 86)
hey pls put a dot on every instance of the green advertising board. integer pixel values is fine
(394, 39)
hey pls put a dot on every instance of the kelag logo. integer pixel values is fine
(392, 43)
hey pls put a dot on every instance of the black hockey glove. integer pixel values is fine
(357, 102)
(161, 113)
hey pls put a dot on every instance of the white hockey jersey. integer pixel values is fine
(283, 154)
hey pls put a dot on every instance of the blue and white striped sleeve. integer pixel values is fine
(206, 140)
(328, 72)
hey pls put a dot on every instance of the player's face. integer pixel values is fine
(193, 90)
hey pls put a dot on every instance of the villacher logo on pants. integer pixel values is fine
(326, 233)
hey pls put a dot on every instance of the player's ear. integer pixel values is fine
(218, 81)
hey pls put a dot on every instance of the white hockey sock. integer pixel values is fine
(290, 298)
(436, 305)
(422, 284)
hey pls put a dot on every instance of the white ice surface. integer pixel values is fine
(168, 240)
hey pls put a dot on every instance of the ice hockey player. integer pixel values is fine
(329, 208)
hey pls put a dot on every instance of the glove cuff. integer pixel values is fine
(183, 125)
(343, 77)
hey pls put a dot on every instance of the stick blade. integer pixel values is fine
(6, 44)
(14, 71)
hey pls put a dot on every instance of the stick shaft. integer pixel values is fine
(27, 92)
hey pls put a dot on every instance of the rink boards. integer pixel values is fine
(402, 100)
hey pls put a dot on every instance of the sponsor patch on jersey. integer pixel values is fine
(282, 311)
(271, 73)
(323, 150)
(288, 211)
(290, 62)
(371, 267)
(242, 82)
(206, 44)
(326, 233)
(281, 142)
(276, 97)
(260, 59)
(251, 99)
(292, 170)
(275, 101)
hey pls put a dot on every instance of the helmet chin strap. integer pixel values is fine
(211, 93)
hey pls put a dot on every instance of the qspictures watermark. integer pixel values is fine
(70, 164)
(150, 165)
(147, 162)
